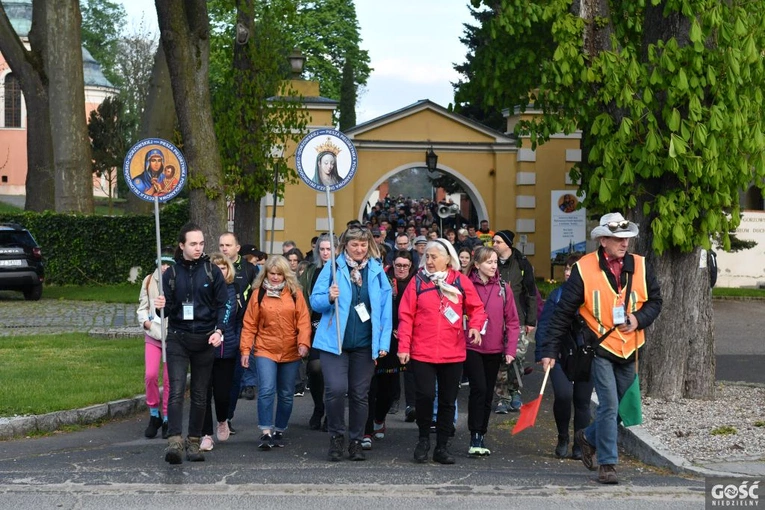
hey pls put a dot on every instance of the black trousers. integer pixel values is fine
(186, 350)
(482, 370)
(425, 376)
(566, 393)
(220, 388)
(382, 391)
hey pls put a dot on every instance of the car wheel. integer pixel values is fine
(33, 293)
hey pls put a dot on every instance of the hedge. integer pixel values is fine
(93, 249)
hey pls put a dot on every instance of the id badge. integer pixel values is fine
(361, 309)
(618, 315)
(451, 315)
(188, 311)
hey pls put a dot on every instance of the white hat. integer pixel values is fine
(614, 225)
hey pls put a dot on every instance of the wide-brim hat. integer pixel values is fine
(614, 225)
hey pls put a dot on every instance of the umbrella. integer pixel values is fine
(530, 410)
(630, 410)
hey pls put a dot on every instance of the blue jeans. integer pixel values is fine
(611, 381)
(275, 381)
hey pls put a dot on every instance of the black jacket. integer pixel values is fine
(202, 283)
(572, 298)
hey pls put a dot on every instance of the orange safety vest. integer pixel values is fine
(600, 299)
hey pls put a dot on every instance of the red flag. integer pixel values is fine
(530, 410)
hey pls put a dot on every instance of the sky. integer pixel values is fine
(413, 46)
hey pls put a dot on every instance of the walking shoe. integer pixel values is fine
(248, 392)
(588, 451)
(475, 445)
(222, 433)
(515, 403)
(356, 450)
(442, 455)
(409, 414)
(433, 427)
(265, 442)
(206, 444)
(576, 451)
(421, 450)
(193, 453)
(314, 423)
(366, 442)
(486, 451)
(501, 408)
(379, 430)
(231, 430)
(155, 423)
(324, 424)
(299, 393)
(174, 450)
(299, 390)
(393, 407)
(277, 440)
(336, 444)
(561, 450)
(607, 474)
(164, 429)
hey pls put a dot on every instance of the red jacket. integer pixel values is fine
(423, 330)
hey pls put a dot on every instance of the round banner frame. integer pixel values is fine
(147, 183)
(332, 149)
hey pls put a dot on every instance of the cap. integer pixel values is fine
(420, 240)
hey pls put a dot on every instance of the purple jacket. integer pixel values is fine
(503, 317)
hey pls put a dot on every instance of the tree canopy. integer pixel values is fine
(101, 30)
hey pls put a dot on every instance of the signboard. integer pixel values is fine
(155, 169)
(326, 157)
(567, 224)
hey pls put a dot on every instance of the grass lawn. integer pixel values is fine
(46, 373)
(122, 293)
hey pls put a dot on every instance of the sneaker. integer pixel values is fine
(516, 403)
(475, 449)
(265, 442)
(433, 427)
(486, 451)
(588, 451)
(421, 450)
(442, 455)
(336, 448)
(607, 474)
(299, 390)
(299, 393)
(379, 430)
(155, 423)
(174, 450)
(164, 429)
(356, 450)
(393, 407)
(193, 452)
(206, 444)
(409, 414)
(248, 392)
(222, 433)
(501, 408)
(277, 440)
(231, 430)
(314, 423)
(366, 442)
(561, 450)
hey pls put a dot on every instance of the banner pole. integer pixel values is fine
(334, 270)
(159, 271)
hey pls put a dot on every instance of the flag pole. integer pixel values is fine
(159, 271)
(334, 271)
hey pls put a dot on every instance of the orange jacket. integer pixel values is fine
(276, 327)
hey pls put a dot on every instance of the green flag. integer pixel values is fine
(630, 409)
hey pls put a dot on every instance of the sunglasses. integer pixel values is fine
(613, 226)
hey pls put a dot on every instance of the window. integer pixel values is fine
(12, 101)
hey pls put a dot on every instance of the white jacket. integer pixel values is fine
(149, 292)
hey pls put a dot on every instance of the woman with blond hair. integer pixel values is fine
(278, 328)
(222, 377)
(363, 294)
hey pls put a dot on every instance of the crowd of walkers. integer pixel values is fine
(436, 309)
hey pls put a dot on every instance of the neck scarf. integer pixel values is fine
(273, 290)
(355, 268)
(439, 280)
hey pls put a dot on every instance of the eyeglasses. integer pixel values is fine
(402, 266)
(613, 226)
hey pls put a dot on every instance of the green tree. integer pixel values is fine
(347, 106)
(668, 95)
(106, 127)
(101, 29)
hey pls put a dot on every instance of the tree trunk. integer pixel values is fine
(71, 145)
(27, 65)
(247, 220)
(157, 119)
(185, 37)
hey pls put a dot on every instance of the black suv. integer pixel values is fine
(21, 264)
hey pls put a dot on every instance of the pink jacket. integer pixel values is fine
(503, 328)
(424, 331)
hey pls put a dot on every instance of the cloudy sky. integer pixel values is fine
(412, 45)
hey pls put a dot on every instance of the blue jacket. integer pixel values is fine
(230, 346)
(380, 298)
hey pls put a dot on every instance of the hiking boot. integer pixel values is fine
(422, 449)
(155, 423)
(607, 474)
(588, 451)
(174, 450)
(336, 444)
(277, 440)
(516, 403)
(409, 414)
(164, 429)
(379, 430)
(248, 392)
(356, 451)
(314, 423)
(475, 449)
(192, 450)
(561, 450)
(206, 444)
(222, 433)
(501, 408)
(265, 442)
(366, 443)
(442, 455)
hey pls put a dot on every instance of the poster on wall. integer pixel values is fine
(567, 224)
